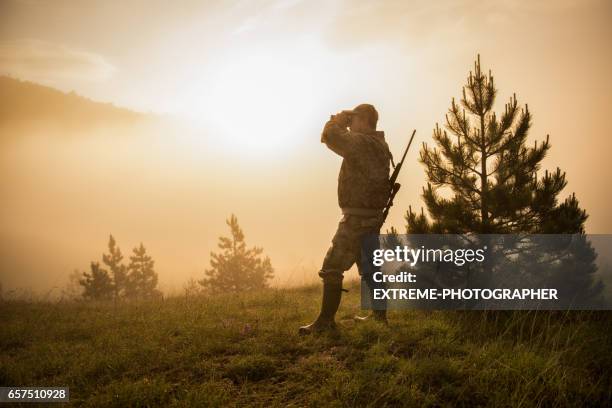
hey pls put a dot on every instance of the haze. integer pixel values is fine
(237, 94)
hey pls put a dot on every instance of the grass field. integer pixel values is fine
(244, 351)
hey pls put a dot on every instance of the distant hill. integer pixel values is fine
(29, 103)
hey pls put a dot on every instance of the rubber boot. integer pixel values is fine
(376, 315)
(332, 293)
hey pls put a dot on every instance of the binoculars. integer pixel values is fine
(349, 115)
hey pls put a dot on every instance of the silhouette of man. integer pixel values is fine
(363, 190)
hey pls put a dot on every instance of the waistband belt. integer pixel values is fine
(366, 212)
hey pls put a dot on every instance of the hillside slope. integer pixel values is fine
(27, 102)
(244, 350)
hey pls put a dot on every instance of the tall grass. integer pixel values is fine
(243, 350)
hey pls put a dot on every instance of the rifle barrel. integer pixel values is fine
(395, 186)
(409, 143)
(398, 167)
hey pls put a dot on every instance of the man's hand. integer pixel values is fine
(335, 133)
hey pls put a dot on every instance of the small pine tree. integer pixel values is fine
(491, 172)
(237, 268)
(490, 175)
(97, 284)
(141, 278)
(113, 260)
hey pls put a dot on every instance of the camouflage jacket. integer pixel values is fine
(364, 176)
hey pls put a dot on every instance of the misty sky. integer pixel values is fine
(297, 61)
(263, 76)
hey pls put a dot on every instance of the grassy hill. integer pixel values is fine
(244, 350)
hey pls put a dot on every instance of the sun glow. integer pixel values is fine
(261, 99)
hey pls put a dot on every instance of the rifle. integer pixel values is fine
(392, 180)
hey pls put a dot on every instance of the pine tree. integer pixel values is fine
(490, 172)
(97, 284)
(237, 268)
(483, 178)
(141, 278)
(113, 260)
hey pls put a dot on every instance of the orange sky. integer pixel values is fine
(263, 76)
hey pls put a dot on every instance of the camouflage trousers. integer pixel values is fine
(346, 246)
